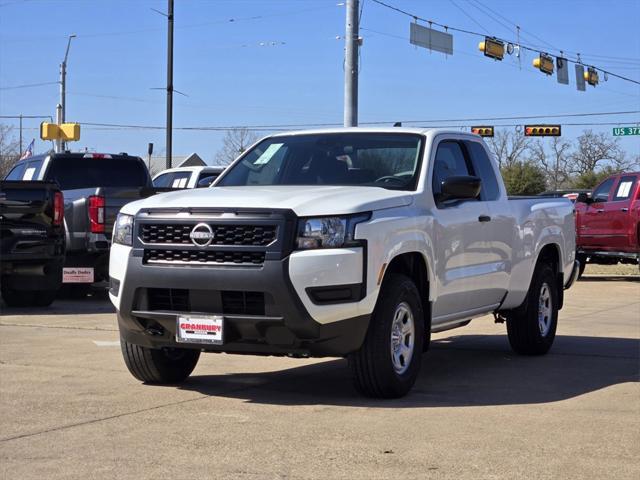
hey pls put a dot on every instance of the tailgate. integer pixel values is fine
(26, 219)
(116, 198)
(27, 203)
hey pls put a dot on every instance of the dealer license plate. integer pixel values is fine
(77, 275)
(200, 329)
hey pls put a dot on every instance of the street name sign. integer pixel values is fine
(621, 131)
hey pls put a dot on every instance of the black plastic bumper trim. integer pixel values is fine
(336, 294)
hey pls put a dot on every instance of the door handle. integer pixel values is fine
(484, 218)
(600, 211)
(624, 209)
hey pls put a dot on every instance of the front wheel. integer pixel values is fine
(387, 364)
(160, 366)
(532, 326)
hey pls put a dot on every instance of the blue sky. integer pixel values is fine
(285, 66)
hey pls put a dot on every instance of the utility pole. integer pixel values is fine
(59, 143)
(63, 89)
(169, 82)
(352, 42)
(20, 136)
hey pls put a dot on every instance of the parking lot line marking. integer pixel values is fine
(100, 343)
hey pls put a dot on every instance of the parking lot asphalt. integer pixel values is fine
(70, 409)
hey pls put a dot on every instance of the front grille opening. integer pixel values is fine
(168, 299)
(242, 303)
(242, 235)
(202, 257)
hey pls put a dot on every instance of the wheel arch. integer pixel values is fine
(415, 266)
(550, 254)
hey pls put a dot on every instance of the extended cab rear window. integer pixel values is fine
(77, 172)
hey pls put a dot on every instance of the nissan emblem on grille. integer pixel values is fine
(201, 235)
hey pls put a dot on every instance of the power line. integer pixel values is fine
(29, 85)
(111, 127)
(230, 20)
(522, 46)
(385, 122)
(469, 16)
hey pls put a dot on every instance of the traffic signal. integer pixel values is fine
(544, 63)
(591, 76)
(492, 47)
(483, 131)
(542, 130)
(68, 132)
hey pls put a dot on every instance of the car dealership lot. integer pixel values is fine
(70, 409)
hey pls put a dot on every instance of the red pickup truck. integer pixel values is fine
(608, 222)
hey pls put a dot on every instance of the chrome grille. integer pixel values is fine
(224, 234)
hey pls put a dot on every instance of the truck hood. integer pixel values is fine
(303, 200)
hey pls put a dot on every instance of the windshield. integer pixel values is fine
(72, 172)
(388, 160)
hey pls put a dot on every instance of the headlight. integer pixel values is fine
(329, 232)
(123, 230)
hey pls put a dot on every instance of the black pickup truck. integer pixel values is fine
(95, 187)
(32, 242)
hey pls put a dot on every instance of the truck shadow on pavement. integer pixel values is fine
(471, 370)
(610, 278)
(94, 304)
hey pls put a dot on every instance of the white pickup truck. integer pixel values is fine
(352, 243)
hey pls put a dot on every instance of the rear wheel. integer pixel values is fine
(28, 298)
(532, 326)
(162, 366)
(17, 298)
(387, 364)
(44, 298)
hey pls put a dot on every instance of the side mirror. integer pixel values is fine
(583, 198)
(460, 188)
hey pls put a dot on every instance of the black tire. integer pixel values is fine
(526, 335)
(44, 298)
(18, 298)
(372, 365)
(582, 260)
(161, 366)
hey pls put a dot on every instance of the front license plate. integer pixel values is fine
(200, 329)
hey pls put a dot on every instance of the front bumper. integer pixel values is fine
(282, 325)
(273, 300)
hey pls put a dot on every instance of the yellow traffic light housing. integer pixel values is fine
(483, 131)
(68, 132)
(492, 47)
(591, 76)
(542, 130)
(544, 63)
(49, 131)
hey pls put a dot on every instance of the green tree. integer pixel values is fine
(590, 179)
(524, 178)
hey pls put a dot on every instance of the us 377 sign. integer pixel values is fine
(620, 131)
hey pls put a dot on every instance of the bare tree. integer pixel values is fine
(508, 147)
(597, 150)
(234, 143)
(554, 161)
(9, 150)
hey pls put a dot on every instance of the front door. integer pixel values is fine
(594, 225)
(462, 262)
(616, 211)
